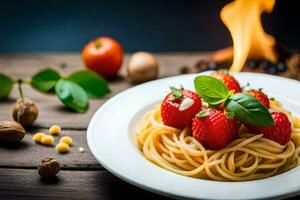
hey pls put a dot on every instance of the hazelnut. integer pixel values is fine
(25, 112)
(48, 167)
(142, 67)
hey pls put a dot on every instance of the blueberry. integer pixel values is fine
(281, 67)
(272, 69)
(201, 63)
(212, 66)
(265, 65)
(185, 70)
(252, 64)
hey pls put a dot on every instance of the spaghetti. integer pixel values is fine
(249, 157)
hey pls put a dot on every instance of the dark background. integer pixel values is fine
(157, 25)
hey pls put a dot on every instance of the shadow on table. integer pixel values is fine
(118, 189)
(14, 146)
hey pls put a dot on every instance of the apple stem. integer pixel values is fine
(97, 44)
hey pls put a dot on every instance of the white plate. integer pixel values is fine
(109, 137)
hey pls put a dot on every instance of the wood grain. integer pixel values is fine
(87, 179)
(82, 177)
(27, 184)
(27, 154)
(51, 109)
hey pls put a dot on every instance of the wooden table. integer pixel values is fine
(81, 176)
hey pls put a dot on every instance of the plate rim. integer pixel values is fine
(152, 188)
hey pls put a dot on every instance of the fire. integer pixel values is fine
(242, 18)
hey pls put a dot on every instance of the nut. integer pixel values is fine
(47, 140)
(55, 130)
(38, 137)
(48, 167)
(142, 67)
(62, 147)
(66, 139)
(11, 131)
(25, 112)
(81, 149)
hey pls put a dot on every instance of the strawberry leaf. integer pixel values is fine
(176, 92)
(229, 115)
(203, 113)
(249, 110)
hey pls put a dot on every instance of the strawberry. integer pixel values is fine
(214, 129)
(179, 108)
(280, 132)
(230, 82)
(260, 96)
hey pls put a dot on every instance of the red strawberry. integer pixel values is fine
(215, 130)
(260, 96)
(280, 132)
(230, 82)
(179, 108)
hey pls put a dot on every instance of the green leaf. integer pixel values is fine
(249, 110)
(45, 80)
(211, 90)
(202, 113)
(94, 85)
(6, 84)
(230, 114)
(176, 92)
(72, 95)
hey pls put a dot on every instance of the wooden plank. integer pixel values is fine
(51, 110)
(27, 154)
(26, 184)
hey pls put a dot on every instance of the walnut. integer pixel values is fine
(293, 64)
(48, 167)
(11, 131)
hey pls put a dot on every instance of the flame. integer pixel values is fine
(242, 18)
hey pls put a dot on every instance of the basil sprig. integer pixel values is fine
(73, 91)
(243, 106)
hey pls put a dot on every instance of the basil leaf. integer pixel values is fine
(6, 84)
(94, 85)
(72, 95)
(213, 101)
(249, 110)
(45, 80)
(210, 87)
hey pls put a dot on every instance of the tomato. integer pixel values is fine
(104, 56)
